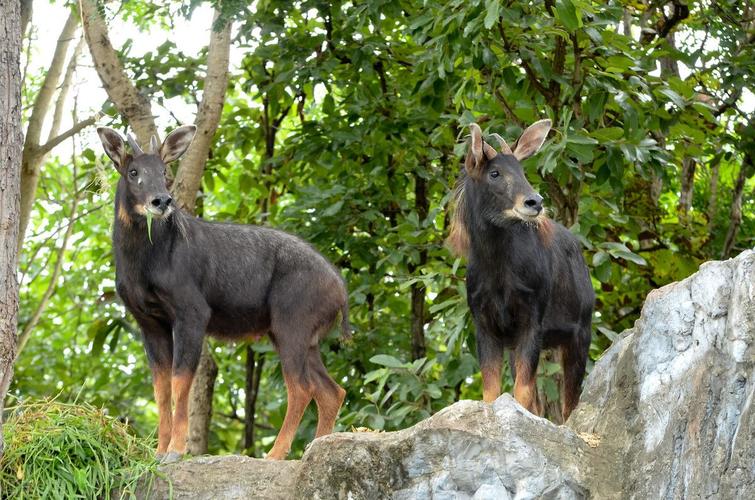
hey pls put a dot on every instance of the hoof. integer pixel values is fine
(159, 456)
(171, 457)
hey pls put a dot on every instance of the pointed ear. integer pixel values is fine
(477, 148)
(505, 149)
(532, 139)
(177, 143)
(114, 146)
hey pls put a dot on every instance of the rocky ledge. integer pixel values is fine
(667, 412)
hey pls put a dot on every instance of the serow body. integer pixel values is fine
(234, 282)
(528, 287)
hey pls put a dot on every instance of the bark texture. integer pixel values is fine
(189, 175)
(200, 403)
(11, 143)
(133, 105)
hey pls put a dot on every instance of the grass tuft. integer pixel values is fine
(60, 450)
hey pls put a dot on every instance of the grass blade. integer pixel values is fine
(149, 225)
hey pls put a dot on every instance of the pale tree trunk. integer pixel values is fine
(11, 143)
(189, 175)
(185, 188)
(35, 152)
(200, 403)
(134, 106)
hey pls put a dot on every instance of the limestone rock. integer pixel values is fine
(229, 477)
(673, 399)
(667, 412)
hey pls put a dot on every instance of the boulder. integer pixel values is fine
(673, 398)
(667, 412)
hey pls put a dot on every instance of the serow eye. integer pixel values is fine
(132, 172)
(494, 174)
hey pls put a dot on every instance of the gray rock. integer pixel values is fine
(667, 412)
(229, 477)
(673, 399)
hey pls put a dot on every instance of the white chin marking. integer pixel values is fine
(526, 216)
(157, 214)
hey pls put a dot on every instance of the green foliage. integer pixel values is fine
(345, 124)
(59, 450)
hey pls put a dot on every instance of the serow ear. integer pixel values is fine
(177, 143)
(477, 148)
(505, 149)
(114, 146)
(532, 139)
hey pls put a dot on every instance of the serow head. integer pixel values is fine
(498, 184)
(144, 173)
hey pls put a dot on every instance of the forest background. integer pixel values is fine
(345, 123)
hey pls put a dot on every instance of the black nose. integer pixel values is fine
(535, 201)
(162, 201)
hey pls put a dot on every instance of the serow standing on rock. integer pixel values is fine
(183, 277)
(527, 283)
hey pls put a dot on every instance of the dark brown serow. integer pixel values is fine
(236, 282)
(527, 283)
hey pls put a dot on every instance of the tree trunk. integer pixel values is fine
(200, 403)
(736, 206)
(33, 157)
(713, 198)
(26, 13)
(254, 363)
(687, 187)
(421, 205)
(133, 105)
(189, 175)
(11, 143)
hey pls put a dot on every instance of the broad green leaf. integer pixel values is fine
(492, 12)
(386, 360)
(568, 14)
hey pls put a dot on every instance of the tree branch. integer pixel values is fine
(531, 76)
(23, 337)
(50, 83)
(32, 159)
(65, 87)
(78, 127)
(664, 25)
(134, 106)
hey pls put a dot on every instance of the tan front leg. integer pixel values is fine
(181, 386)
(161, 384)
